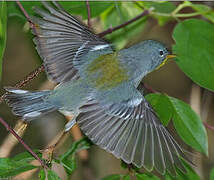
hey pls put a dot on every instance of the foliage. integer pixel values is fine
(3, 31)
(193, 38)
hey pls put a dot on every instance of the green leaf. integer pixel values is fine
(126, 177)
(190, 174)
(52, 175)
(189, 126)
(205, 11)
(69, 164)
(194, 49)
(80, 8)
(187, 123)
(76, 8)
(42, 175)
(14, 10)
(119, 13)
(68, 158)
(212, 174)
(146, 176)
(26, 156)
(3, 31)
(113, 177)
(10, 167)
(160, 7)
(161, 103)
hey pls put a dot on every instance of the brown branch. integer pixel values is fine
(110, 30)
(22, 142)
(89, 13)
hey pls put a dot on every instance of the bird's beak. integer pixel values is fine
(170, 56)
(164, 62)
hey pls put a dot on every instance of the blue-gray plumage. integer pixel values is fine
(99, 87)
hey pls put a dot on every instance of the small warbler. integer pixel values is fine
(98, 86)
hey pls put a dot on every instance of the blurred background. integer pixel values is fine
(21, 58)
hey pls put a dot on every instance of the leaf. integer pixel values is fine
(187, 123)
(119, 13)
(14, 10)
(68, 158)
(160, 7)
(205, 11)
(126, 177)
(190, 174)
(194, 49)
(212, 174)
(42, 175)
(113, 177)
(146, 176)
(160, 104)
(26, 156)
(75, 8)
(10, 167)
(3, 31)
(52, 175)
(189, 126)
(79, 7)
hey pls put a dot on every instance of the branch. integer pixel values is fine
(22, 142)
(26, 80)
(110, 30)
(208, 126)
(89, 13)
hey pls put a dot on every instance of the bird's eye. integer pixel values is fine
(161, 53)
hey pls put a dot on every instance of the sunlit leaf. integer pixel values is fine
(10, 167)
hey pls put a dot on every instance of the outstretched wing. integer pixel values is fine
(62, 40)
(132, 133)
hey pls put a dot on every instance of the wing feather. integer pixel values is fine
(62, 41)
(133, 134)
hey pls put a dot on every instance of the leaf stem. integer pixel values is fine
(23, 143)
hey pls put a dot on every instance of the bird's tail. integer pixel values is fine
(28, 105)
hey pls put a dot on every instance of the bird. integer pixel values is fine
(98, 86)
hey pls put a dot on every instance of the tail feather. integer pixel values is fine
(28, 105)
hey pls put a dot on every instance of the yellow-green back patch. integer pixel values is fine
(110, 71)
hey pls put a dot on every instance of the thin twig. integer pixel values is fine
(22, 142)
(26, 79)
(110, 30)
(89, 13)
(25, 14)
(149, 88)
